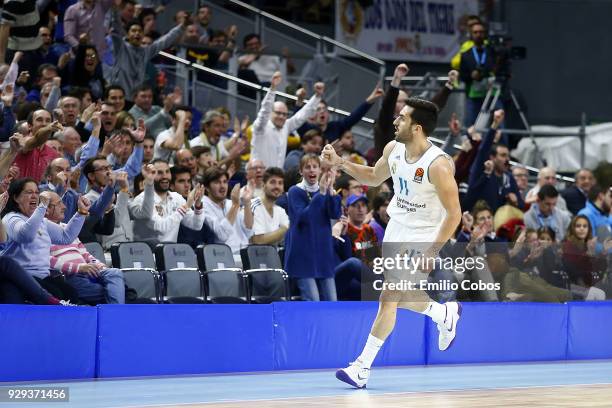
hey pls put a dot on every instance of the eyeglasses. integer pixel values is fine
(104, 168)
(281, 113)
(91, 56)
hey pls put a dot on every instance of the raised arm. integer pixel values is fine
(263, 115)
(41, 136)
(370, 176)
(310, 109)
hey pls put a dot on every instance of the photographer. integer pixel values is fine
(477, 71)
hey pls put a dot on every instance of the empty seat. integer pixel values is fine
(96, 250)
(224, 282)
(268, 282)
(136, 261)
(182, 280)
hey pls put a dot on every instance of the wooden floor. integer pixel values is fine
(561, 396)
(544, 384)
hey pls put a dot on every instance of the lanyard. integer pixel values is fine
(483, 57)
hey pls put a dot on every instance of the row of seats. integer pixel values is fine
(178, 274)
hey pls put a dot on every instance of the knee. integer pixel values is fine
(8, 263)
(113, 273)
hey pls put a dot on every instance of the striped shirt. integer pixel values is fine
(67, 258)
(24, 18)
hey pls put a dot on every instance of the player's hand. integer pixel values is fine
(329, 156)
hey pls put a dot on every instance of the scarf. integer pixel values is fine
(309, 188)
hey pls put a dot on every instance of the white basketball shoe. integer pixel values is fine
(448, 328)
(354, 375)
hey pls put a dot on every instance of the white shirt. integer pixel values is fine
(415, 203)
(263, 223)
(158, 151)
(236, 235)
(218, 151)
(265, 66)
(123, 231)
(269, 143)
(166, 218)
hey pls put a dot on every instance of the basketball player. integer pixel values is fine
(425, 208)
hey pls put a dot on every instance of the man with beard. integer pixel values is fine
(597, 210)
(99, 176)
(212, 128)
(170, 209)
(270, 222)
(231, 224)
(425, 208)
(490, 178)
(181, 183)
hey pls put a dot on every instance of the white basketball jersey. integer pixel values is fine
(415, 204)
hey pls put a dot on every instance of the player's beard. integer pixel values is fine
(404, 137)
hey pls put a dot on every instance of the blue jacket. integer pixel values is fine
(309, 249)
(336, 128)
(598, 219)
(490, 188)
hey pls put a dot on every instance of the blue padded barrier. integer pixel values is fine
(325, 335)
(504, 332)
(47, 342)
(148, 340)
(590, 330)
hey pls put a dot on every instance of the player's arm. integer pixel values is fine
(442, 176)
(370, 176)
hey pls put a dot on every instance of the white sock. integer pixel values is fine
(436, 311)
(369, 351)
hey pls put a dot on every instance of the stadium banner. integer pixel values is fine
(404, 30)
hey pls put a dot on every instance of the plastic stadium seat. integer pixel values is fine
(178, 266)
(225, 282)
(96, 250)
(268, 282)
(136, 261)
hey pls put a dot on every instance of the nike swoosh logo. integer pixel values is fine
(360, 377)
(452, 321)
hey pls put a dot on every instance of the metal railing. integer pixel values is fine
(366, 120)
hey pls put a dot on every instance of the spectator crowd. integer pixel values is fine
(96, 146)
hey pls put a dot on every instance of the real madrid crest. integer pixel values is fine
(393, 168)
(351, 19)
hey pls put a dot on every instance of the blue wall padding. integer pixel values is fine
(146, 340)
(51, 343)
(504, 332)
(47, 342)
(590, 330)
(327, 335)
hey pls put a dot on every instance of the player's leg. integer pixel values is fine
(358, 372)
(444, 315)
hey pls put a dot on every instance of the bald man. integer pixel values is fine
(546, 176)
(185, 158)
(272, 125)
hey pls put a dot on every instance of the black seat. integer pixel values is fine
(136, 261)
(182, 280)
(225, 283)
(96, 250)
(268, 282)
